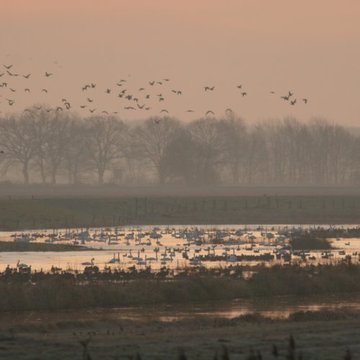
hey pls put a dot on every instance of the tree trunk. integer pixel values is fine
(25, 171)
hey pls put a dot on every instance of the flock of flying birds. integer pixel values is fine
(139, 100)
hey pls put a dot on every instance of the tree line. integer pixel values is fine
(47, 146)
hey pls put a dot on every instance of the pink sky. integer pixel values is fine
(309, 47)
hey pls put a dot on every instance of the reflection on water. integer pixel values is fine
(275, 308)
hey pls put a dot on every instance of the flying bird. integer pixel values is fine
(293, 102)
(105, 112)
(83, 106)
(13, 90)
(129, 108)
(208, 88)
(286, 98)
(209, 112)
(47, 74)
(92, 110)
(164, 111)
(44, 90)
(244, 93)
(27, 76)
(151, 83)
(305, 100)
(108, 91)
(190, 111)
(8, 67)
(11, 74)
(89, 100)
(27, 90)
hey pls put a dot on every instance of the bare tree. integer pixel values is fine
(106, 139)
(153, 138)
(17, 140)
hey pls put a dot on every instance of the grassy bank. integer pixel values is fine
(57, 212)
(10, 246)
(65, 292)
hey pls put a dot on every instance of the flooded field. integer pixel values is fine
(177, 247)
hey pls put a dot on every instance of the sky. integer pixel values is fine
(308, 47)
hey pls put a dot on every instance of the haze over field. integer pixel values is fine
(311, 48)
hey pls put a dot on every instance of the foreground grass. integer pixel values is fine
(54, 292)
(57, 212)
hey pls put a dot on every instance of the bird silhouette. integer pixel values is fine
(244, 93)
(141, 106)
(8, 67)
(129, 108)
(105, 112)
(164, 111)
(59, 108)
(208, 88)
(67, 105)
(10, 102)
(305, 100)
(82, 106)
(142, 89)
(92, 110)
(11, 74)
(286, 98)
(239, 86)
(89, 100)
(209, 112)
(93, 85)
(151, 83)
(190, 111)
(161, 99)
(47, 74)
(27, 90)
(290, 94)
(293, 102)
(159, 82)
(12, 90)
(27, 76)
(147, 96)
(85, 87)
(166, 79)
(108, 91)
(44, 90)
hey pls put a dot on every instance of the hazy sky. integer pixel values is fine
(311, 47)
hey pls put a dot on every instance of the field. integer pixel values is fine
(60, 338)
(18, 213)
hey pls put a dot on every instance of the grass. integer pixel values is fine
(60, 212)
(9, 246)
(54, 292)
